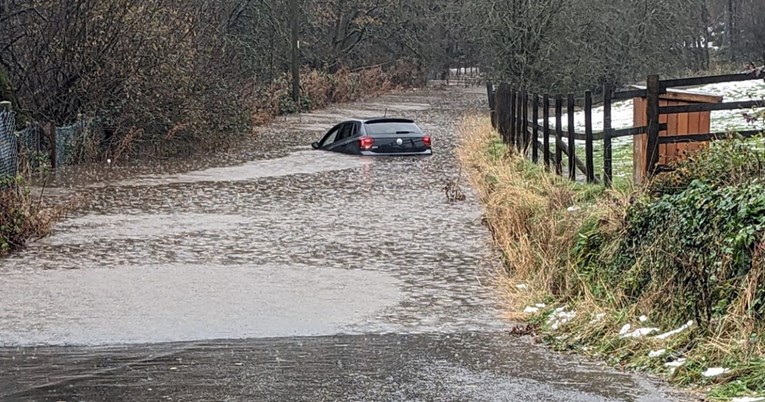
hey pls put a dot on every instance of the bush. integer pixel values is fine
(689, 248)
(21, 217)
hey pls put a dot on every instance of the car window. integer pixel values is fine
(345, 131)
(331, 137)
(392, 128)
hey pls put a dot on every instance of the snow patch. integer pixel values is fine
(560, 317)
(657, 353)
(643, 318)
(715, 371)
(675, 364)
(748, 399)
(522, 286)
(625, 329)
(531, 310)
(674, 332)
(640, 332)
(540, 305)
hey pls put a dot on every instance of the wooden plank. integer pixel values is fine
(663, 119)
(708, 136)
(535, 124)
(490, 92)
(687, 96)
(588, 146)
(504, 107)
(607, 131)
(694, 127)
(715, 79)
(668, 152)
(639, 142)
(624, 95)
(558, 135)
(652, 117)
(525, 123)
(579, 164)
(710, 107)
(570, 112)
(683, 128)
(546, 129)
(519, 134)
(512, 127)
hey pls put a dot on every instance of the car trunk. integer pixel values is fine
(399, 143)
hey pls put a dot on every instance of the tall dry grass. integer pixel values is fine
(527, 212)
(24, 217)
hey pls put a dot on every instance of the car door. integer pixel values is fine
(330, 138)
(344, 138)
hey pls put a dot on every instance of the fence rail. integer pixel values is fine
(510, 117)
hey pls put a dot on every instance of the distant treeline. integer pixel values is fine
(164, 70)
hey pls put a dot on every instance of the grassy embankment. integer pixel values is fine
(669, 278)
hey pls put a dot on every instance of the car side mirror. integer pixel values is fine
(315, 145)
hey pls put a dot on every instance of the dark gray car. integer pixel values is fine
(382, 136)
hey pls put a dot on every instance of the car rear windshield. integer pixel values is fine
(392, 128)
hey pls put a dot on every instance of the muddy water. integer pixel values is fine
(276, 241)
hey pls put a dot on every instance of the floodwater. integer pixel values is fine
(276, 272)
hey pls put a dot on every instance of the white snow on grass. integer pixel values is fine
(560, 317)
(674, 332)
(748, 399)
(657, 353)
(531, 310)
(715, 371)
(640, 332)
(673, 365)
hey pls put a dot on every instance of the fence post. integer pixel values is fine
(525, 125)
(535, 128)
(558, 135)
(588, 148)
(513, 101)
(652, 115)
(492, 103)
(502, 104)
(571, 137)
(546, 129)
(519, 123)
(607, 150)
(50, 129)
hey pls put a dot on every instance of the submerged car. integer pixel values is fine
(381, 136)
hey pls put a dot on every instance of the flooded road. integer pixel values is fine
(276, 272)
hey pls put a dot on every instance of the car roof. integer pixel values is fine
(382, 120)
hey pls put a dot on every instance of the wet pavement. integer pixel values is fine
(276, 272)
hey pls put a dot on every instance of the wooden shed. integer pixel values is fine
(677, 125)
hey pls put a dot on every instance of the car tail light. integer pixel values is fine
(365, 143)
(426, 140)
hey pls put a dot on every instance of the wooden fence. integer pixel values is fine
(516, 115)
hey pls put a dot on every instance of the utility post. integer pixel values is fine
(294, 17)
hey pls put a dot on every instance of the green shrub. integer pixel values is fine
(690, 248)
